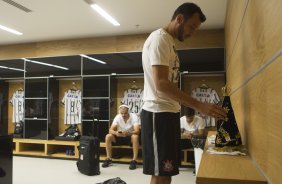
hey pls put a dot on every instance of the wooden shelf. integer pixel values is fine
(221, 169)
(45, 148)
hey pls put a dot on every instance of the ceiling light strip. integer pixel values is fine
(46, 64)
(93, 59)
(11, 68)
(104, 14)
(17, 5)
(10, 30)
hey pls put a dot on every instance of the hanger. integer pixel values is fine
(203, 85)
(20, 89)
(134, 86)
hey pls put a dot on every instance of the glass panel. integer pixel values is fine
(201, 60)
(36, 108)
(12, 68)
(35, 88)
(95, 108)
(36, 129)
(96, 87)
(90, 129)
(60, 66)
(122, 63)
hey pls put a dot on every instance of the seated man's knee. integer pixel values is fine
(134, 138)
(109, 137)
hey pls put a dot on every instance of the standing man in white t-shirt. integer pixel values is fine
(123, 131)
(160, 111)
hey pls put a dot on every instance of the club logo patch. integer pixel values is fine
(167, 167)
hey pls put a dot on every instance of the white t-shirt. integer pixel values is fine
(159, 49)
(196, 124)
(126, 126)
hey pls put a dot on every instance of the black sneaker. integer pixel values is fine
(132, 165)
(107, 163)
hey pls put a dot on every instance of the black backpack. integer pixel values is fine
(89, 155)
(116, 180)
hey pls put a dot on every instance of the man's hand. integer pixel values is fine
(126, 133)
(187, 135)
(119, 134)
(212, 110)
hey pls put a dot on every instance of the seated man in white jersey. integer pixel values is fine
(190, 125)
(124, 130)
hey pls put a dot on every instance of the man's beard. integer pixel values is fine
(180, 32)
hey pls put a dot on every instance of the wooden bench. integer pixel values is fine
(57, 149)
(126, 154)
(45, 148)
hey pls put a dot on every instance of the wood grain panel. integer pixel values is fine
(215, 169)
(76, 46)
(235, 12)
(65, 85)
(226, 169)
(17, 51)
(130, 43)
(259, 106)
(203, 39)
(13, 87)
(257, 43)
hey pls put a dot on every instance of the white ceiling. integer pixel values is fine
(69, 19)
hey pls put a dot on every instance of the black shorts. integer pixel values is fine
(122, 141)
(160, 143)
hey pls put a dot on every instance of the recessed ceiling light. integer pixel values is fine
(46, 64)
(10, 30)
(102, 12)
(93, 59)
(10, 68)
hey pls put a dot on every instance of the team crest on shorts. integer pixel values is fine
(168, 167)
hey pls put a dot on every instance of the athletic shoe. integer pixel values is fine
(132, 165)
(107, 163)
(71, 152)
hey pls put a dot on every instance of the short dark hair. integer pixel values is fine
(187, 10)
(189, 111)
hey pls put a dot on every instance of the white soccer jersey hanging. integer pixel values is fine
(17, 101)
(207, 95)
(72, 102)
(134, 99)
